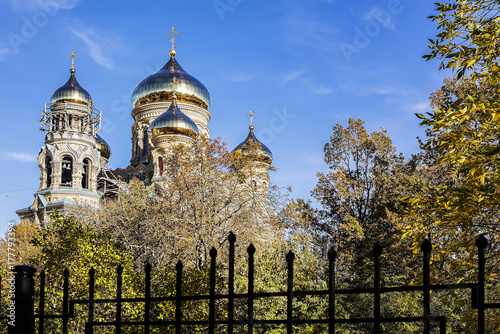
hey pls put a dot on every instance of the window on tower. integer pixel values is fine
(85, 174)
(48, 171)
(55, 123)
(145, 143)
(137, 148)
(160, 165)
(67, 171)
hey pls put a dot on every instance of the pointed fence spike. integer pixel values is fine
(332, 254)
(290, 256)
(213, 252)
(481, 242)
(251, 249)
(119, 269)
(179, 265)
(426, 246)
(147, 268)
(66, 272)
(377, 249)
(231, 237)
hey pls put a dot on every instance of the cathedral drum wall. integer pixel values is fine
(146, 113)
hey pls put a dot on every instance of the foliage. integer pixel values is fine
(360, 195)
(204, 193)
(462, 198)
(463, 137)
(467, 41)
(360, 202)
(67, 243)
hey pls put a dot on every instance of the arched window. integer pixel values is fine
(160, 165)
(67, 171)
(55, 123)
(48, 171)
(137, 148)
(85, 174)
(145, 143)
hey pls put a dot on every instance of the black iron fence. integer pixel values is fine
(25, 315)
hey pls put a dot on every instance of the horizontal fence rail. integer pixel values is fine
(24, 301)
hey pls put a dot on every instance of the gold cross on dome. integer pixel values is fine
(172, 35)
(72, 57)
(252, 114)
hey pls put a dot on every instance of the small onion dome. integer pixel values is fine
(265, 153)
(160, 86)
(71, 91)
(103, 147)
(173, 121)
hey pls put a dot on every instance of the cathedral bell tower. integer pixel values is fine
(256, 173)
(72, 155)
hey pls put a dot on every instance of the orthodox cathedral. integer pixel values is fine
(170, 107)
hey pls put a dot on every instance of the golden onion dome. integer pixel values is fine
(103, 147)
(71, 91)
(173, 121)
(264, 153)
(160, 85)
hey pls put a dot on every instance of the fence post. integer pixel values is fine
(147, 297)
(211, 305)
(24, 318)
(481, 244)
(230, 302)
(289, 294)
(332, 256)
(119, 284)
(251, 252)
(89, 325)
(178, 297)
(377, 251)
(426, 248)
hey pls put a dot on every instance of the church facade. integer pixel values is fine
(170, 107)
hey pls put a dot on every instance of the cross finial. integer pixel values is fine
(252, 114)
(173, 32)
(72, 57)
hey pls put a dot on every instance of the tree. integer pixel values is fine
(361, 193)
(462, 199)
(360, 202)
(204, 193)
(463, 136)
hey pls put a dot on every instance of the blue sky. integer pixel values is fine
(302, 66)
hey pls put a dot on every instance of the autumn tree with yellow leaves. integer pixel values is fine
(463, 138)
(205, 192)
(461, 199)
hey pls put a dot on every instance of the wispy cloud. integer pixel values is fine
(381, 16)
(309, 31)
(377, 87)
(49, 5)
(99, 42)
(323, 91)
(21, 156)
(420, 107)
(313, 158)
(292, 75)
(4, 52)
(240, 77)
